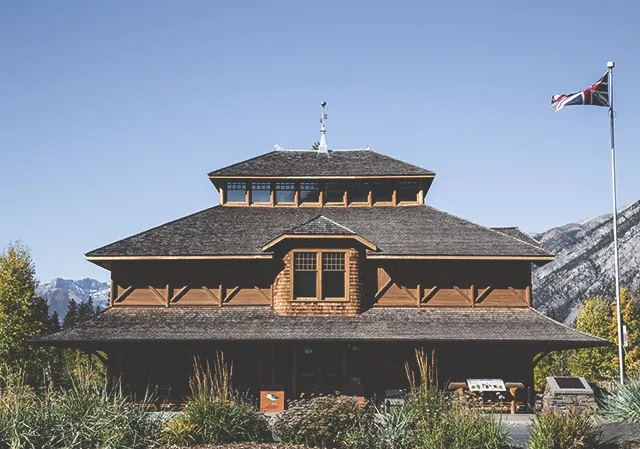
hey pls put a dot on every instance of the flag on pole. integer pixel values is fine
(596, 95)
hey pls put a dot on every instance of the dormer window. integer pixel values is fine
(358, 192)
(260, 192)
(236, 192)
(319, 275)
(285, 192)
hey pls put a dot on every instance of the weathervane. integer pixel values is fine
(322, 147)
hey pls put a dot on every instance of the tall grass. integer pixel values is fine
(564, 430)
(215, 412)
(87, 415)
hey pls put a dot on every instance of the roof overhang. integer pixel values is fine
(105, 261)
(370, 245)
(543, 259)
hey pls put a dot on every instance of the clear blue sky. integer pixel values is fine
(112, 112)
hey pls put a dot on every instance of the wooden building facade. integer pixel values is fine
(321, 272)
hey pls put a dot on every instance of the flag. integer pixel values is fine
(596, 95)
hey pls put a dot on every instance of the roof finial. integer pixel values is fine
(322, 147)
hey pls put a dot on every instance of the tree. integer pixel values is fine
(630, 308)
(71, 317)
(595, 317)
(22, 314)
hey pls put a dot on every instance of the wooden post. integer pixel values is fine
(419, 295)
(513, 390)
(220, 298)
(527, 293)
(343, 363)
(221, 195)
(113, 293)
(472, 292)
(168, 295)
(370, 198)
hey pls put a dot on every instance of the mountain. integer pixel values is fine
(584, 264)
(59, 292)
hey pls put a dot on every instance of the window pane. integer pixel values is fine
(407, 191)
(285, 192)
(236, 192)
(333, 278)
(333, 192)
(309, 192)
(383, 192)
(260, 192)
(304, 284)
(358, 193)
(333, 284)
(304, 276)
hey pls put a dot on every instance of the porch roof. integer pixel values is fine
(253, 323)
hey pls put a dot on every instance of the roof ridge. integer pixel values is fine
(153, 228)
(242, 162)
(492, 230)
(338, 224)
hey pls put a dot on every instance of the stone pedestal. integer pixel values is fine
(563, 399)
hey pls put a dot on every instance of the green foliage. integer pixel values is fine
(630, 307)
(564, 430)
(554, 364)
(449, 422)
(595, 318)
(323, 421)
(22, 315)
(84, 417)
(624, 403)
(215, 412)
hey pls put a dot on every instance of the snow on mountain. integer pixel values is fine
(59, 292)
(584, 265)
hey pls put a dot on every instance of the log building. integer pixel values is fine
(321, 271)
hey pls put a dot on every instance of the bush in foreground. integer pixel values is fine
(624, 403)
(564, 430)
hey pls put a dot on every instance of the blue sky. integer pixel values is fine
(112, 112)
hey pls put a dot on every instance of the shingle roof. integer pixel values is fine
(321, 225)
(227, 231)
(315, 163)
(515, 325)
(518, 234)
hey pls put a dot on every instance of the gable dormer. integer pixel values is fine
(308, 178)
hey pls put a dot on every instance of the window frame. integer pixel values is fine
(262, 203)
(226, 192)
(289, 184)
(319, 271)
(399, 189)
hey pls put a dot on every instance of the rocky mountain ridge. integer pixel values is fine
(59, 292)
(584, 264)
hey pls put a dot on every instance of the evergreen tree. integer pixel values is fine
(85, 310)
(71, 317)
(54, 323)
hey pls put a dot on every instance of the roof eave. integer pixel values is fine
(366, 243)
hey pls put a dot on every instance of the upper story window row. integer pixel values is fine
(324, 193)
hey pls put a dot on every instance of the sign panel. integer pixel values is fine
(481, 385)
(271, 401)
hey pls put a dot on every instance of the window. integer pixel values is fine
(333, 192)
(285, 192)
(383, 192)
(309, 192)
(319, 275)
(407, 191)
(358, 192)
(333, 275)
(260, 192)
(236, 192)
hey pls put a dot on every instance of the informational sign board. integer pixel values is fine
(271, 401)
(480, 385)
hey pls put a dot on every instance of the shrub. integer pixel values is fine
(624, 403)
(393, 427)
(324, 421)
(568, 430)
(215, 412)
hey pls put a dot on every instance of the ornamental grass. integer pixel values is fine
(555, 429)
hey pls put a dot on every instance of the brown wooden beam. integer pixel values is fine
(463, 294)
(483, 294)
(518, 295)
(213, 296)
(158, 295)
(125, 293)
(232, 293)
(429, 294)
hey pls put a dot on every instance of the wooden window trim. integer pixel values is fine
(259, 203)
(236, 203)
(318, 299)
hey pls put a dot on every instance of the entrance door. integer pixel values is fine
(319, 369)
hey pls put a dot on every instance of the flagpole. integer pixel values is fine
(610, 66)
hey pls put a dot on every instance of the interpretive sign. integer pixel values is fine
(481, 385)
(271, 401)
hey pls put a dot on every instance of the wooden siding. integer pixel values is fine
(453, 283)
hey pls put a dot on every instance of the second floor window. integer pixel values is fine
(285, 192)
(236, 192)
(319, 275)
(309, 192)
(358, 192)
(260, 192)
(333, 192)
(407, 191)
